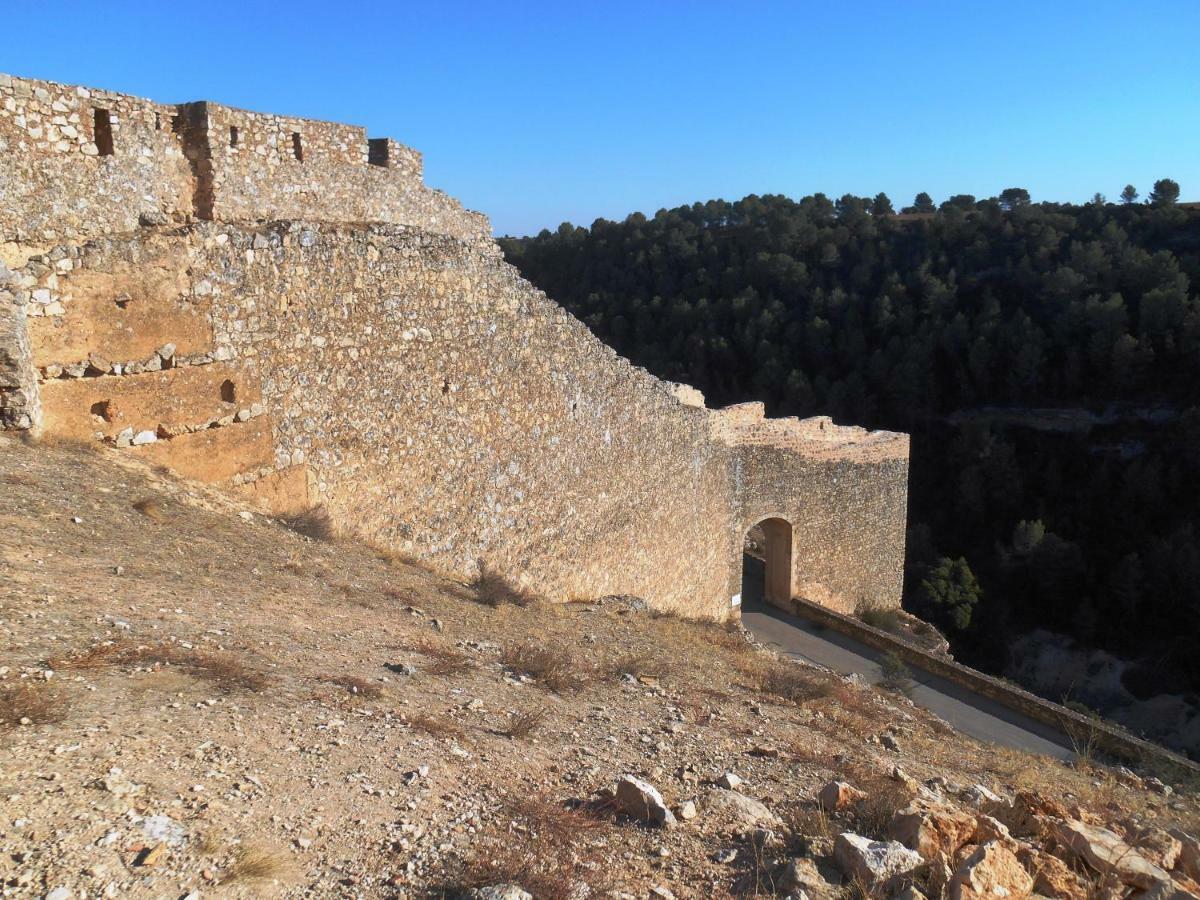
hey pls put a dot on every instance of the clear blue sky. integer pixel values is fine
(539, 112)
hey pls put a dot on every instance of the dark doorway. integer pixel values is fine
(767, 564)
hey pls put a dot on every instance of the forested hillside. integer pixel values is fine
(1045, 358)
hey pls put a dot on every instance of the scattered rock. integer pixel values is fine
(990, 871)
(931, 829)
(686, 810)
(743, 811)
(1051, 876)
(1105, 852)
(838, 795)
(729, 781)
(801, 875)
(641, 800)
(1189, 853)
(877, 864)
(500, 892)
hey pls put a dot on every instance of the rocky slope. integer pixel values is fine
(198, 701)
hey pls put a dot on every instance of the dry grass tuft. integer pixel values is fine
(19, 480)
(493, 589)
(552, 851)
(640, 665)
(223, 668)
(553, 668)
(523, 724)
(786, 680)
(359, 687)
(257, 864)
(444, 661)
(313, 523)
(436, 726)
(151, 508)
(31, 703)
(885, 797)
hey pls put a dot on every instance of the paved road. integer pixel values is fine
(977, 716)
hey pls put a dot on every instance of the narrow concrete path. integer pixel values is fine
(977, 716)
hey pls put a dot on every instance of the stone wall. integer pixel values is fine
(408, 380)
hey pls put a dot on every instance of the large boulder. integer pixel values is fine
(802, 876)
(838, 795)
(641, 800)
(1156, 845)
(989, 872)
(1051, 876)
(877, 865)
(1189, 854)
(931, 828)
(1105, 852)
(740, 810)
(1029, 813)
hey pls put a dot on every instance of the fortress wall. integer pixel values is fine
(421, 390)
(57, 182)
(401, 374)
(79, 162)
(847, 511)
(260, 167)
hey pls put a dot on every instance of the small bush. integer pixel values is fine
(443, 660)
(256, 864)
(32, 703)
(786, 680)
(640, 665)
(437, 727)
(897, 676)
(555, 669)
(885, 797)
(223, 668)
(493, 589)
(552, 851)
(523, 724)
(359, 687)
(884, 619)
(313, 523)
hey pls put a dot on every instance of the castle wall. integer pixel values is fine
(56, 182)
(229, 311)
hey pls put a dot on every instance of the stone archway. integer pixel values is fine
(767, 562)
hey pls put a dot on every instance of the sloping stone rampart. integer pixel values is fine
(305, 322)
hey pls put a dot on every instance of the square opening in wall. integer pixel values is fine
(297, 147)
(102, 127)
(234, 136)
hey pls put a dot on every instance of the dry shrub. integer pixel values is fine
(640, 665)
(294, 566)
(553, 668)
(786, 680)
(359, 687)
(523, 724)
(223, 668)
(436, 726)
(444, 661)
(314, 523)
(547, 848)
(151, 508)
(257, 864)
(31, 702)
(885, 797)
(493, 589)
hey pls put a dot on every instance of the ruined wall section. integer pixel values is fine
(77, 161)
(844, 491)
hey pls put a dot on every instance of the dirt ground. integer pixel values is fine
(198, 701)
